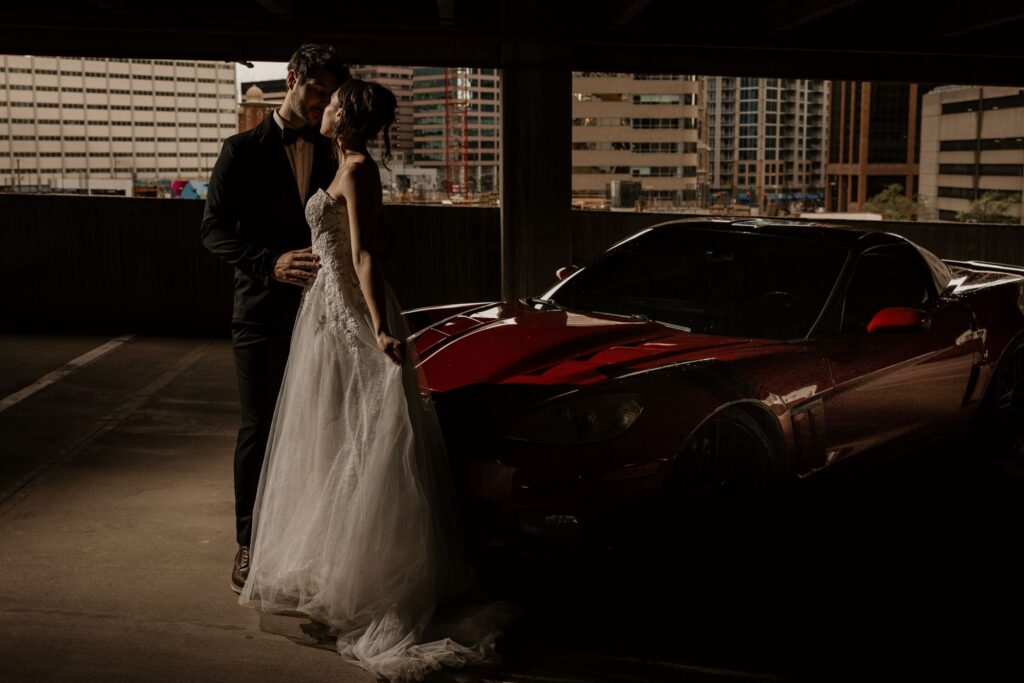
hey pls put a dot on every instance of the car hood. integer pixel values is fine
(516, 343)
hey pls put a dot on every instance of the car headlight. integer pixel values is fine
(579, 420)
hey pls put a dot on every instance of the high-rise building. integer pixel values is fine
(874, 141)
(766, 139)
(972, 142)
(635, 128)
(397, 79)
(66, 122)
(457, 127)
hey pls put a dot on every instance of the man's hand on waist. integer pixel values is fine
(298, 267)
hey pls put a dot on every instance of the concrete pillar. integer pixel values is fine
(536, 178)
(864, 139)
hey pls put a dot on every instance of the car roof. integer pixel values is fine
(840, 235)
(854, 238)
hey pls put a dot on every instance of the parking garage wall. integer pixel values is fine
(119, 265)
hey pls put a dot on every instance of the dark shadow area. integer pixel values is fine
(115, 265)
(896, 570)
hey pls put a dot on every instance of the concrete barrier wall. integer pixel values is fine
(114, 265)
(108, 265)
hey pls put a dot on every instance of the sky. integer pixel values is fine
(261, 71)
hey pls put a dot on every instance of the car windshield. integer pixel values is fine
(711, 282)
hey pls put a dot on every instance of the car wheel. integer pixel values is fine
(1000, 422)
(727, 456)
(721, 481)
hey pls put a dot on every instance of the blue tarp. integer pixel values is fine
(195, 190)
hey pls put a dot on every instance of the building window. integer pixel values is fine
(1001, 169)
(985, 144)
(672, 123)
(982, 169)
(657, 99)
(656, 147)
(655, 172)
(985, 104)
(658, 77)
(601, 121)
(591, 170)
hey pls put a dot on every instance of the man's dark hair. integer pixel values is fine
(312, 57)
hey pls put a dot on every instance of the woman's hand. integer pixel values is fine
(392, 347)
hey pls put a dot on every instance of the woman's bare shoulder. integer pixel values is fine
(355, 174)
(358, 167)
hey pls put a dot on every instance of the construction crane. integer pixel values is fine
(456, 133)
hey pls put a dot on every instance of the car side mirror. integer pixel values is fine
(565, 271)
(899, 318)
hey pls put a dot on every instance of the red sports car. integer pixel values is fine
(708, 355)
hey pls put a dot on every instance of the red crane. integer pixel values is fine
(456, 133)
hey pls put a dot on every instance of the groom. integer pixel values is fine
(255, 220)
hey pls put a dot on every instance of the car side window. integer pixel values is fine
(886, 276)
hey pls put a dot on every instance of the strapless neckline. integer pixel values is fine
(327, 194)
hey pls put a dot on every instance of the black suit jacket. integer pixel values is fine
(254, 214)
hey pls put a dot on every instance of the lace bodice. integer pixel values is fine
(337, 281)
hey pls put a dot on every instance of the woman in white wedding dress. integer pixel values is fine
(356, 523)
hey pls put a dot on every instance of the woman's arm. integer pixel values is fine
(358, 186)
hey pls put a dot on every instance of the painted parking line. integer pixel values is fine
(62, 372)
(133, 401)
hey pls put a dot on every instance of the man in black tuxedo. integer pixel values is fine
(255, 220)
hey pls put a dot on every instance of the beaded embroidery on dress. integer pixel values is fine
(340, 286)
(355, 523)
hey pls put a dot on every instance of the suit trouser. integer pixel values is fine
(261, 355)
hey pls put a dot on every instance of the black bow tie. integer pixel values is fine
(289, 135)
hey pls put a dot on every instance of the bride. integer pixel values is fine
(355, 523)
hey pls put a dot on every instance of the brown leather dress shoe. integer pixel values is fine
(241, 570)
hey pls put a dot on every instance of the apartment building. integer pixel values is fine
(65, 122)
(635, 128)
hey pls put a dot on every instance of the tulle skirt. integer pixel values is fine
(356, 523)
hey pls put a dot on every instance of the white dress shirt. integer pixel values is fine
(300, 156)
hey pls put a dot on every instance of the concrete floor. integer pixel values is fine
(116, 538)
(116, 527)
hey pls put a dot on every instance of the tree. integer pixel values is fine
(895, 205)
(991, 207)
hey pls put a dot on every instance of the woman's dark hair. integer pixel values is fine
(367, 108)
(313, 57)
